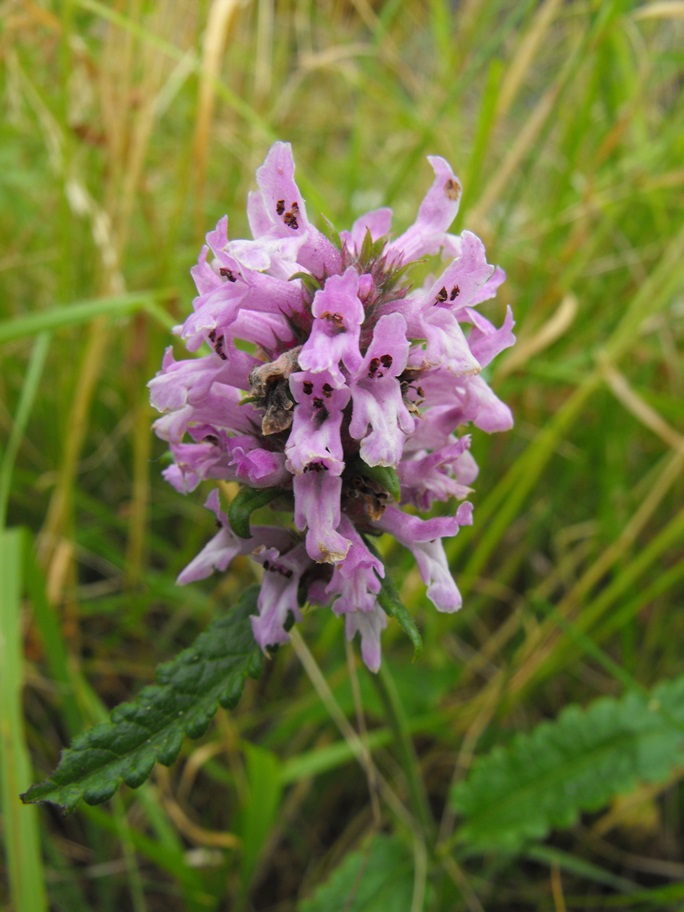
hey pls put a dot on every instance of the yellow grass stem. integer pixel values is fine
(220, 22)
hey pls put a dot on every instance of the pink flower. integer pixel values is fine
(380, 419)
(335, 384)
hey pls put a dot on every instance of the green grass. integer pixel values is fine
(128, 129)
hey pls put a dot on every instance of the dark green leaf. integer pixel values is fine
(376, 878)
(151, 728)
(245, 502)
(580, 762)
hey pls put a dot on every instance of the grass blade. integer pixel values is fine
(31, 324)
(22, 843)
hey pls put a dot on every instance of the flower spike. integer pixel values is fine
(335, 390)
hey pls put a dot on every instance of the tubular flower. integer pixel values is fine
(345, 404)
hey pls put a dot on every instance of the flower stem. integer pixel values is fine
(397, 720)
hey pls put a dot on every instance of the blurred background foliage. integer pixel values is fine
(129, 128)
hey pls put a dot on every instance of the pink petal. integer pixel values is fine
(436, 213)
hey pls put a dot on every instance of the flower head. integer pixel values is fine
(346, 402)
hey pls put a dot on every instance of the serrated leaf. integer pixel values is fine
(150, 729)
(245, 502)
(389, 600)
(580, 762)
(376, 878)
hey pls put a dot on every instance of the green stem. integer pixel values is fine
(397, 722)
(28, 394)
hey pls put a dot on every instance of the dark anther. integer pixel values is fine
(317, 402)
(280, 207)
(373, 367)
(290, 217)
(327, 390)
(452, 189)
(227, 274)
(307, 386)
(277, 568)
(455, 292)
(337, 321)
(442, 296)
(217, 342)
(386, 361)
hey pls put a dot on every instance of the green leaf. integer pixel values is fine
(262, 802)
(151, 728)
(310, 282)
(389, 600)
(366, 248)
(332, 234)
(245, 502)
(371, 250)
(385, 476)
(376, 878)
(579, 762)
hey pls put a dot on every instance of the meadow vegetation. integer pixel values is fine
(128, 130)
